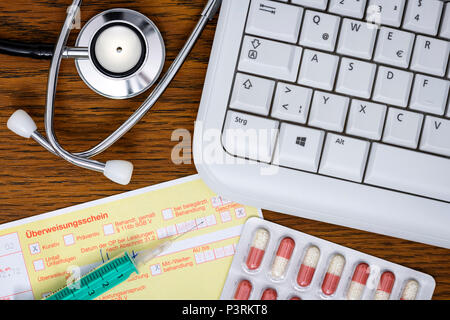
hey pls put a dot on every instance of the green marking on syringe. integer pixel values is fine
(98, 281)
(110, 274)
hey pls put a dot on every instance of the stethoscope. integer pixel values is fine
(119, 54)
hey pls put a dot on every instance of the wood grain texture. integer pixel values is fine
(32, 181)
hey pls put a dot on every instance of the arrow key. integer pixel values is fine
(252, 94)
(291, 103)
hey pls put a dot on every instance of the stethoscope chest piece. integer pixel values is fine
(126, 53)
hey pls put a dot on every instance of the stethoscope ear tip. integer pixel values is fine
(119, 171)
(21, 124)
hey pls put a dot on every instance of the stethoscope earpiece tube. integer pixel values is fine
(118, 171)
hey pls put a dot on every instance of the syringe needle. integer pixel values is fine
(150, 254)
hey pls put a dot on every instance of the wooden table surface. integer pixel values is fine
(33, 181)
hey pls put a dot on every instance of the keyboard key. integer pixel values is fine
(328, 111)
(409, 171)
(402, 128)
(448, 109)
(393, 86)
(430, 55)
(299, 147)
(351, 8)
(318, 4)
(357, 39)
(429, 94)
(269, 58)
(344, 157)
(356, 78)
(319, 30)
(366, 119)
(435, 136)
(387, 12)
(252, 94)
(394, 47)
(249, 136)
(445, 27)
(423, 16)
(318, 69)
(291, 103)
(274, 20)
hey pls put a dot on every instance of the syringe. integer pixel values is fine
(111, 273)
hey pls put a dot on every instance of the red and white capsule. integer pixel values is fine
(258, 249)
(333, 275)
(282, 258)
(359, 280)
(385, 286)
(410, 290)
(243, 290)
(308, 267)
(269, 294)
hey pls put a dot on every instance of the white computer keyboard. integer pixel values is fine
(340, 109)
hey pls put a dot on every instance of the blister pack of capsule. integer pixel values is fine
(273, 262)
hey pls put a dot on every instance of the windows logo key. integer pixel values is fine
(301, 141)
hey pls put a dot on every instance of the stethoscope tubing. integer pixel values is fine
(82, 159)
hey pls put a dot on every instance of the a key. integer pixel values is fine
(429, 94)
(409, 171)
(318, 4)
(402, 128)
(445, 27)
(269, 58)
(393, 86)
(435, 136)
(252, 94)
(291, 102)
(394, 47)
(344, 157)
(351, 8)
(366, 119)
(356, 78)
(274, 20)
(423, 16)
(299, 147)
(249, 136)
(319, 30)
(318, 69)
(430, 55)
(328, 111)
(387, 12)
(357, 39)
